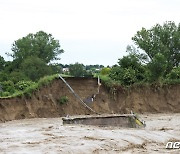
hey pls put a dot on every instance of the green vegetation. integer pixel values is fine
(79, 70)
(105, 71)
(63, 100)
(41, 45)
(156, 60)
(32, 56)
(76, 70)
(24, 88)
(159, 59)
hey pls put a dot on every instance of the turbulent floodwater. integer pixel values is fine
(50, 136)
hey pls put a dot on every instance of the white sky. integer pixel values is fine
(90, 31)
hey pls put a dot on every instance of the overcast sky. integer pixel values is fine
(90, 31)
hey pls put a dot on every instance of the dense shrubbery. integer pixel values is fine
(22, 85)
(129, 71)
(174, 74)
(7, 88)
(24, 88)
(105, 71)
(143, 73)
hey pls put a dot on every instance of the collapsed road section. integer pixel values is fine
(123, 120)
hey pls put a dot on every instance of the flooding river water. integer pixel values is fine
(49, 135)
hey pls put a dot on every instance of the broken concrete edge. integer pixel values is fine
(95, 116)
(123, 120)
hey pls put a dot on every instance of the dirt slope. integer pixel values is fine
(44, 103)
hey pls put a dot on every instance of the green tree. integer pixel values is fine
(3, 76)
(130, 68)
(35, 68)
(76, 70)
(2, 63)
(116, 73)
(125, 76)
(17, 76)
(56, 68)
(174, 74)
(161, 40)
(157, 67)
(41, 45)
(105, 71)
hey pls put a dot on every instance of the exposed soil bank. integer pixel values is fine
(45, 102)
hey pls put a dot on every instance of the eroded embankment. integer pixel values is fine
(45, 102)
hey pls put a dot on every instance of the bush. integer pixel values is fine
(126, 76)
(4, 94)
(88, 74)
(3, 76)
(63, 100)
(174, 74)
(8, 86)
(129, 76)
(22, 85)
(105, 71)
(107, 81)
(17, 76)
(116, 73)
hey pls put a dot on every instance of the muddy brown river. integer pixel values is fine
(50, 136)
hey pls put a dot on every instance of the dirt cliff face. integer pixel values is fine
(46, 101)
(151, 99)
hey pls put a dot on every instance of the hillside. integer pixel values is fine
(46, 101)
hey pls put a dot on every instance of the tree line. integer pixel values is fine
(32, 59)
(154, 58)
